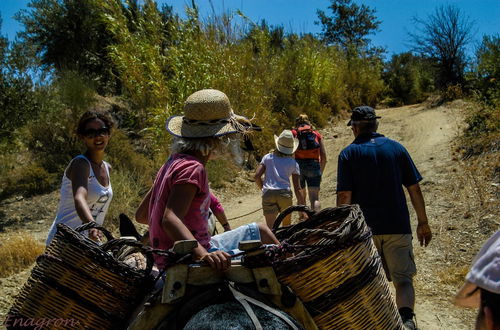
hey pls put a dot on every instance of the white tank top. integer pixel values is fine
(98, 200)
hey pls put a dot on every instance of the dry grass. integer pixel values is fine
(18, 251)
(453, 275)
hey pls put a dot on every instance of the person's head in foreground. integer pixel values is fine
(482, 286)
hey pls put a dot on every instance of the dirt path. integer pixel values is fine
(451, 200)
(427, 134)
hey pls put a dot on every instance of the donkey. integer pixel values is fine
(219, 306)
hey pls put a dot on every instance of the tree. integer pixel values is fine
(409, 78)
(488, 68)
(348, 26)
(17, 99)
(69, 35)
(443, 37)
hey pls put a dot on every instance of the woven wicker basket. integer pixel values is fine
(336, 271)
(78, 280)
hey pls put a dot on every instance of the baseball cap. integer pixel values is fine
(484, 274)
(363, 112)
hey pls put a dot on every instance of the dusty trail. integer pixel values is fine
(428, 135)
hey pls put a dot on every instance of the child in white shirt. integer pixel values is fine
(278, 166)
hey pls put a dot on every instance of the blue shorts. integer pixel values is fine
(228, 241)
(310, 173)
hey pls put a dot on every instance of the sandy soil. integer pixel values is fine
(428, 135)
(457, 215)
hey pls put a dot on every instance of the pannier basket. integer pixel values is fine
(332, 265)
(77, 284)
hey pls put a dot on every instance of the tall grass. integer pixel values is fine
(18, 251)
(265, 72)
(159, 59)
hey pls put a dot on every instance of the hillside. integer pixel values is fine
(460, 197)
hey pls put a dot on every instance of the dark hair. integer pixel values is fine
(366, 126)
(492, 300)
(92, 115)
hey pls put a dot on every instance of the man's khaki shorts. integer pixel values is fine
(275, 201)
(397, 256)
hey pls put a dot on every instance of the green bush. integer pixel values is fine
(408, 78)
(486, 76)
(129, 187)
(221, 172)
(28, 180)
(483, 130)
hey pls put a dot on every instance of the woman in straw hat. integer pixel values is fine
(177, 206)
(278, 166)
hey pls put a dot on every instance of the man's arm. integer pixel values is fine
(258, 176)
(344, 197)
(424, 233)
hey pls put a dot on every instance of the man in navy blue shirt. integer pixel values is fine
(372, 171)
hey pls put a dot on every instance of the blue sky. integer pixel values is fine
(299, 15)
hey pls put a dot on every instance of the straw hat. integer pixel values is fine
(286, 143)
(207, 113)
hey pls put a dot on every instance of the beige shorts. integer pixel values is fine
(275, 201)
(397, 256)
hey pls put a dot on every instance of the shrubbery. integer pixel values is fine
(27, 180)
(408, 78)
(483, 131)
(150, 60)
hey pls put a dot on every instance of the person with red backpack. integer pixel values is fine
(311, 157)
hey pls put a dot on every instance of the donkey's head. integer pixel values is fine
(127, 228)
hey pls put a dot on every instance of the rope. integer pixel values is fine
(244, 215)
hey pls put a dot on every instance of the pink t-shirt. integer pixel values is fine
(179, 169)
(215, 205)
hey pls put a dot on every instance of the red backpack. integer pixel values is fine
(308, 140)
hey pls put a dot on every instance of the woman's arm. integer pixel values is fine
(322, 156)
(78, 173)
(258, 176)
(178, 205)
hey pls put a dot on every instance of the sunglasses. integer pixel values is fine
(92, 133)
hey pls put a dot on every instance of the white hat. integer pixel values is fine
(484, 274)
(286, 143)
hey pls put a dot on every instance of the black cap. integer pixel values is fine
(363, 112)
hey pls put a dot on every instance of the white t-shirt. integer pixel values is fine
(278, 171)
(98, 200)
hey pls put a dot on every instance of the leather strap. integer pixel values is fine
(244, 300)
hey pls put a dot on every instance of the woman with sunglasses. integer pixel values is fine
(86, 188)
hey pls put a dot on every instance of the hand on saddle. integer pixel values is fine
(219, 260)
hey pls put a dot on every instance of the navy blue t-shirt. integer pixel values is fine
(375, 169)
